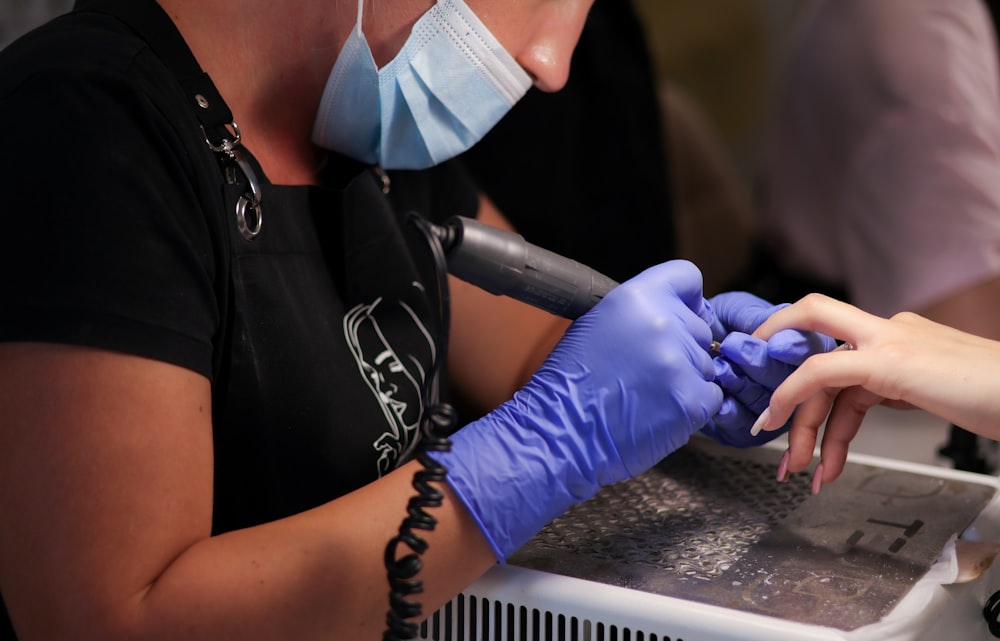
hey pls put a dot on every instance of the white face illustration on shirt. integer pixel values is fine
(395, 379)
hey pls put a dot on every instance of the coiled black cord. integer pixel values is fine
(438, 421)
(991, 612)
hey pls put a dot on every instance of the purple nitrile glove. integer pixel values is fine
(627, 385)
(750, 369)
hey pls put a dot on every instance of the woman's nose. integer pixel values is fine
(547, 55)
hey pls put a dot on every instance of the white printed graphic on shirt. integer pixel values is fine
(395, 379)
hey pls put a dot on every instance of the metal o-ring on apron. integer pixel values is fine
(250, 225)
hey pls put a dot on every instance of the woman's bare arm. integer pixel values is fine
(106, 476)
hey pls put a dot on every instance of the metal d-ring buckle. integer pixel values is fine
(249, 203)
(249, 226)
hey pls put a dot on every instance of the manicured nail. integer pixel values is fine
(782, 474)
(758, 425)
(817, 478)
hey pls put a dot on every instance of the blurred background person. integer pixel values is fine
(881, 174)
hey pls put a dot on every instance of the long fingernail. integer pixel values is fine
(758, 425)
(782, 474)
(817, 478)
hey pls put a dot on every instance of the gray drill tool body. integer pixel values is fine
(503, 263)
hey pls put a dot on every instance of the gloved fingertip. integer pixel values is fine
(794, 346)
(743, 349)
(717, 331)
(728, 410)
(685, 278)
(728, 377)
(741, 311)
(789, 345)
(722, 367)
(710, 404)
(714, 324)
(720, 396)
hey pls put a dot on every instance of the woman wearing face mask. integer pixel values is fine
(216, 330)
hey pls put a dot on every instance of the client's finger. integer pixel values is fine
(837, 370)
(804, 432)
(819, 313)
(842, 426)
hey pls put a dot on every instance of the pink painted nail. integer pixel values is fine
(817, 478)
(782, 474)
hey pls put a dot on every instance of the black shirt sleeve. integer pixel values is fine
(105, 240)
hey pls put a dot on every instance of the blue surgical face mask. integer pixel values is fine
(449, 84)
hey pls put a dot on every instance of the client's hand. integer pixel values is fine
(904, 361)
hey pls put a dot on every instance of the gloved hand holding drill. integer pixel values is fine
(628, 384)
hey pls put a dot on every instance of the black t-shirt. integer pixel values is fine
(119, 232)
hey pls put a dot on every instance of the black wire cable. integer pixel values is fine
(991, 612)
(436, 423)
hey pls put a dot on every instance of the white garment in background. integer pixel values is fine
(882, 173)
